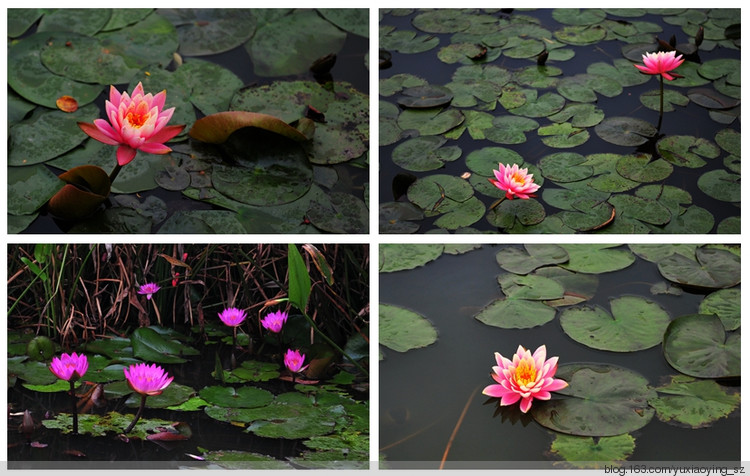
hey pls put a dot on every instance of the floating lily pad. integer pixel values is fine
(539, 106)
(516, 212)
(87, 21)
(596, 258)
(530, 287)
(643, 168)
(710, 269)
(407, 42)
(232, 459)
(341, 213)
(100, 425)
(403, 330)
(284, 46)
(563, 135)
(149, 345)
(583, 87)
(644, 209)
(532, 256)
(635, 324)
(31, 371)
(565, 167)
(509, 129)
(174, 394)
(398, 257)
(652, 100)
(724, 303)
(399, 217)
(579, 115)
(207, 31)
(29, 188)
(511, 313)
(603, 400)
(442, 21)
(424, 153)
(698, 345)
(255, 371)
(593, 453)
(242, 397)
(721, 185)
(686, 151)
(693, 403)
(626, 131)
(430, 121)
(581, 35)
(425, 96)
(294, 416)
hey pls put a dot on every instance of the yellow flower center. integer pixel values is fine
(136, 120)
(525, 373)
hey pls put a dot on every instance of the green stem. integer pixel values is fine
(333, 344)
(137, 415)
(75, 410)
(661, 102)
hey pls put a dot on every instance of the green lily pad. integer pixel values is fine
(47, 134)
(644, 209)
(621, 70)
(686, 151)
(652, 100)
(721, 185)
(149, 345)
(59, 386)
(563, 135)
(403, 330)
(539, 106)
(399, 217)
(711, 268)
(724, 303)
(511, 313)
(583, 87)
(30, 371)
(511, 213)
(407, 42)
(242, 397)
(565, 167)
(626, 131)
(442, 21)
(603, 400)
(112, 422)
(31, 80)
(255, 371)
(581, 35)
(424, 153)
(579, 115)
(596, 258)
(693, 403)
(593, 453)
(21, 19)
(430, 121)
(398, 257)
(87, 21)
(341, 213)
(509, 129)
(211, 86)
(577, 16)
(643, 168)
(174, 394)
(429, 193)
(121, 18)
(578, 287)
(425, 96)
(729, 140)
(29, 188)
(284, 46)
(150, 41)
(294, 416)
(484, 160)
(530, 287)
(530, 257)
(232, 459)
(207, 31)
(635, 324)
(398, 82)
(698, 345)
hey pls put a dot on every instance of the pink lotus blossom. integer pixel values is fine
(660, 63)
(147, 379)
(294, 360)
(525, 378)
(149, 289)
(514, 181)
(69, 367)
(136, 122)
(274, 321)
(232, 316)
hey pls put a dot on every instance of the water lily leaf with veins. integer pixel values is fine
(565, 167)
(531, 257)
(511, 313)
(403, 330)
(563, 135)
(710, 268)
(86, 21)
(398, 257)
(407, 42)
(643, 168)
(596, 258)
(512, 213)
(341, 213)
(686, 151)
(635, 324)
(724, 303)
(539, 106)
(603, 400)
(30, 187)
(208, 31)
(693, 403)
(699, 346)
(652, 99)
(593, 453)
(150, 346)
(721, 185)
(424, 153)
(626, 131)
(425, 96)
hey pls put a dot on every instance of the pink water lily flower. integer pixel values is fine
(147, 379)
(274, 321)
(294, 360)
(524, 378)
(661, 63)
(514, 181)
(232, 316)
(149, 289)
(136, 122)
(69, 367)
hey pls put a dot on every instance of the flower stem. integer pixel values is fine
(661, 102)
(114, 173)
(75, 410)
(234, 344)
(137, 414)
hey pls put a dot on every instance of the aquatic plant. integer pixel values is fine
(514, 181)
(136, 122)
(232, 316)
(661, 63)
(274, 321)
(149, 289)
(524, 378)
(145, 380)
(70, 367)
(293, 360)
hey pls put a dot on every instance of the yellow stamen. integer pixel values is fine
(525, 373)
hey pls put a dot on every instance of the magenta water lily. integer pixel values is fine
(232, 316)
(70, 367)
(527, 377)
(275, 321)
(515, 181)
(661, 63)
(149, 289)
(293, 360)
(146, 380)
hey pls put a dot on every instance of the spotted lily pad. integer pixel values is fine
(596, 258)
(635, 324)
(403, 330)
(398, 257)
(30, 187)
(531, 257)
(424, 153)
(686, 151)
(207, 31)
(602, 400)
(430, 121)
(593, 453)
(242, 397)
(724, 303)
(425, 96)
(626, 131)
(100, 425)
(693, 403)
(342, 213)
(516, 212)
(711, 268)
(699, 346)
(721, 185)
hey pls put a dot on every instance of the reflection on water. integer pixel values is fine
(423, 391)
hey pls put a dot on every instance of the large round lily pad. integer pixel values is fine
(600, 400)
(397, 257)
(208, 31)
(593, 453)
(693, 403)
(721, 185)
(699, 346)
(724, 303)
(626, 131)
(596, 258)
(634, 324)
(511, 313)
(402, 329)
(531, 257)
(242, 397)
(711, 268)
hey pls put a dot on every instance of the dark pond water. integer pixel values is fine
(690, 120)
(350, 67)
(208, 434)
(423, 391)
